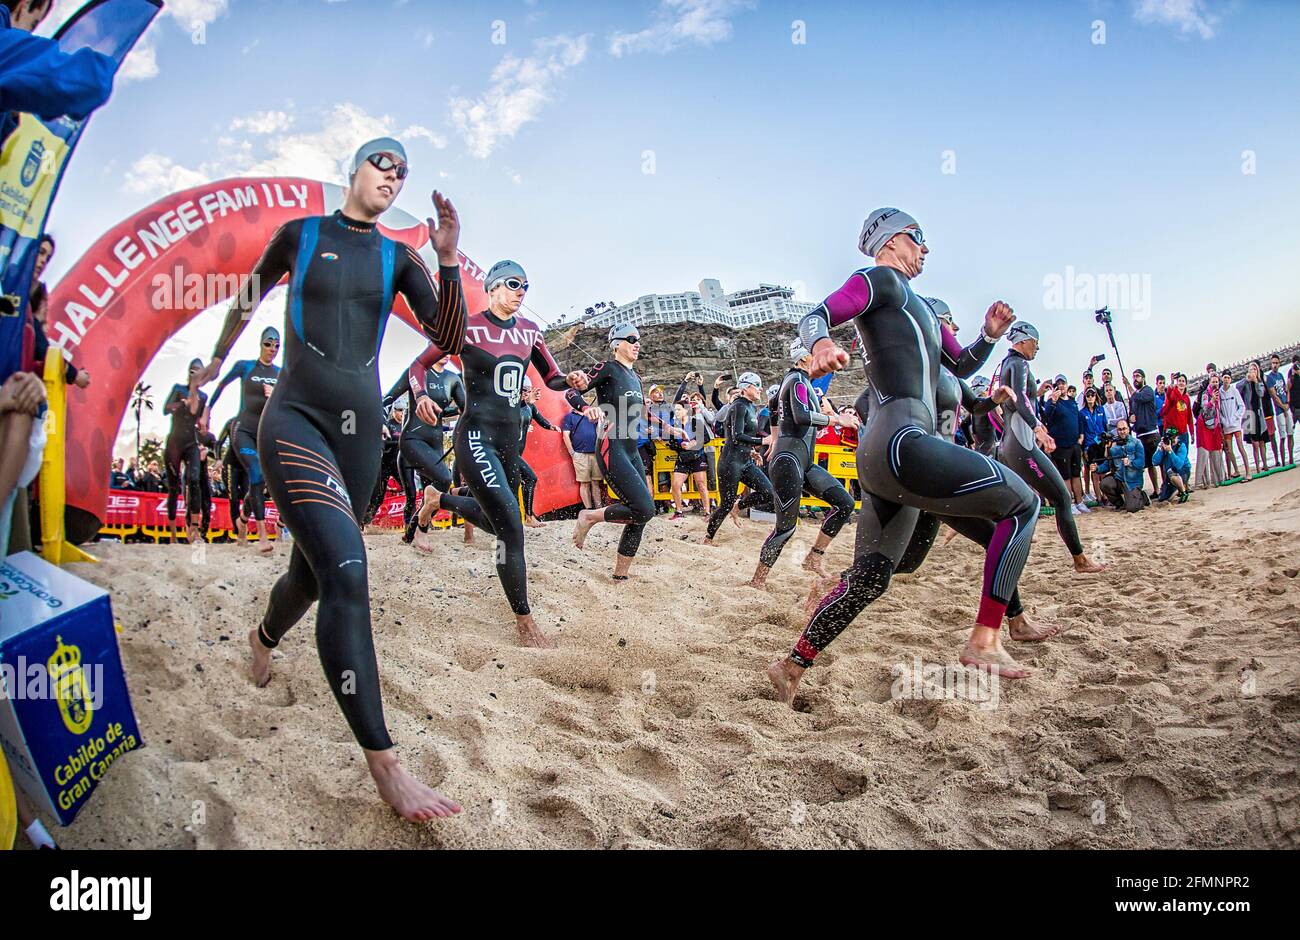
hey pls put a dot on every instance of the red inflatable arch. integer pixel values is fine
(109, 311)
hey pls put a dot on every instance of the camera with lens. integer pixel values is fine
(1103, 315)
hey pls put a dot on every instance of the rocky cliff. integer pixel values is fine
(669, 352)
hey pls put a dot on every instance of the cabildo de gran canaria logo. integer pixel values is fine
(32, 165)
(69, 681)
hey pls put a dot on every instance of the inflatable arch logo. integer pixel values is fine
(108, 311)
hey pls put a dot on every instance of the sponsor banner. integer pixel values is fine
(127, 508)
(65, 712)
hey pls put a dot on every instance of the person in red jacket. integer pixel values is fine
(1177, 410)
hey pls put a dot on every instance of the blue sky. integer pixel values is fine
(1026, 148)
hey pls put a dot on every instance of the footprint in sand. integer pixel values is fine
(1152, 811)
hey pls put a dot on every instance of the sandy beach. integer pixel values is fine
(1167, 714)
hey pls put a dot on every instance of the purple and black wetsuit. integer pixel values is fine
(903, 466)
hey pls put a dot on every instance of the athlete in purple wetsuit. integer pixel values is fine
(903, 467)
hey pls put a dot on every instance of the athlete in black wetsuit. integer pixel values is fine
(530, 414)
(436, 393)
(984, 435)
(1026, 443)
(317, 438)
(233, 476)
(498, 347)
(390, 433)
(622, 408)
(736, 462)
(795, 470)
(257, 378)
(902, 466)
(182, 453)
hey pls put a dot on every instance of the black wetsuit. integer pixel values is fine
(253, 376)
(903, 466)
(528, 479)
(496, 354)
(389, 447)
(736, 464)
(618, 393)
(423, 446)
(232, 470)
(317, 437)
(795, 470)
(1019, 451)
(182, 451)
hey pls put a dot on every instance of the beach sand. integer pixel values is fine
(1166, 715)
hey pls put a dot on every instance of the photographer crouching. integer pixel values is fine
(1119, 478)
(1171, 454)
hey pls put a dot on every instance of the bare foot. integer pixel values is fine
(265, 545)
(785, 677)
(758, 582)
(813, 563)
(412, 800)
(1023, 631)
(534, 523)
(820, 588)
(993, 659)
(707, 541)
(193, 534)
(530, 634)
(421, 541)
(469, 534)
(735, 514)
(1083, 566)
(952, 534)
(261, 660)
(586, 519)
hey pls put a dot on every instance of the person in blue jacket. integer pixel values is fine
(1122, 470)
(1065, 425)
(1171, 454)
(38, 77)
(1093, 417)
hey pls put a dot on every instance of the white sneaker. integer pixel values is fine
(1074, 510)
(1084, 508)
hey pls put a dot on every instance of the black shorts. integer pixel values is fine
(691, 462)
(1068, 461)
(1149, 445)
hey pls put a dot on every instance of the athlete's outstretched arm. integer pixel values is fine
(540, 419)
(273, 265)
(974, 403)
(400, 388)
(174, 401)
(964, 363)
(230, 377)
(441, 312)
(546, 367)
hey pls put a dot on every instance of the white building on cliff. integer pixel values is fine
(763, 304)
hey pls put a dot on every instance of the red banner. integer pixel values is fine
(130, 508)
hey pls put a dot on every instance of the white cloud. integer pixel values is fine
(679, 23)
(142, 61)
(267, 149)
(519, 90)
(262, 122)
(1190, 16)
(155, 173)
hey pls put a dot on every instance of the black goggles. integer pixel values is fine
(915, 235)
(383, 163)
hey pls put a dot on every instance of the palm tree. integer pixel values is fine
(140, 400)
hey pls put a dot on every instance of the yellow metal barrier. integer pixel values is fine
(665, 460)
(55, 547)
(841, 462)
(8, 808)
